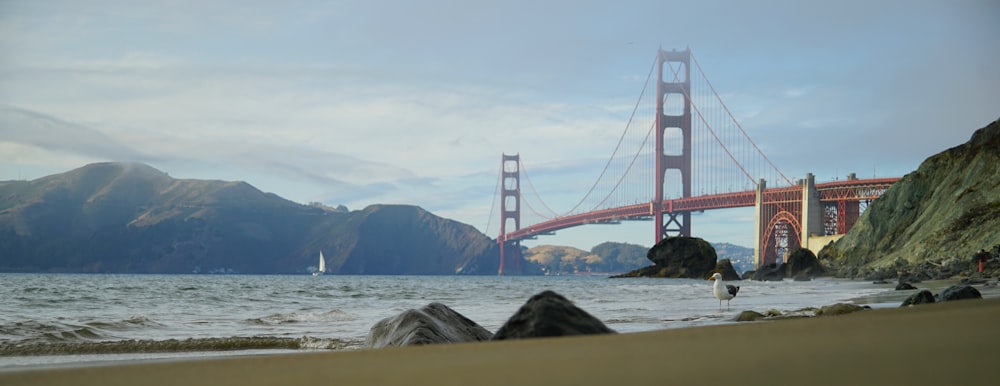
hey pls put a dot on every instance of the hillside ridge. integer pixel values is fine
(125, 217)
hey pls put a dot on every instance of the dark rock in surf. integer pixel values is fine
(921, 297)
(959, 292)
(802, 265)
(679, 257)
(549, 314)
(972, 280)
(770, 272)
(725, 267)
(433, 323)
(839, 309)
(749, 316)
(903, 286)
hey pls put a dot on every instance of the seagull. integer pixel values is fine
(726, 293)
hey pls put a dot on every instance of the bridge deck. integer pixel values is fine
(847, 190)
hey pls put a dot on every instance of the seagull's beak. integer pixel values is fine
(712, 278)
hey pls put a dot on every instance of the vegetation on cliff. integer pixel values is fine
(945, 211)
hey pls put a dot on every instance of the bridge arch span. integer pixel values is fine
(781, 234)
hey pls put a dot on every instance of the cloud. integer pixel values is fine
(30, 128)
(359, 102)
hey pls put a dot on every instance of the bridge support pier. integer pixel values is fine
(676, 224)
(797, 216)
(812, 212)
(758, 224)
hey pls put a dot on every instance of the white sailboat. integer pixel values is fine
(322, 265)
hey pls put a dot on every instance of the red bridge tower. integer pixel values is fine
(510, 209)
(678, 83)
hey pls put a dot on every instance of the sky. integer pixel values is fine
(413, 102)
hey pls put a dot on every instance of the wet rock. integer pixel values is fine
(549, 314)
(959, 292)
(880, 275)
(433, 323)
(770, 272)
(916, 274)
(749, 316)
(839, 309)
(725, 267)
(682, 257)
(903, 286)
(802, 262)
(972, 280)
(922, 297)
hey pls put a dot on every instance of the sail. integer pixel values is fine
(322, 262)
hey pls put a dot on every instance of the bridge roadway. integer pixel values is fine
(845, 190)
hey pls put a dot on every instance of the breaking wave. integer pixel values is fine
(298, 317)
(54, 332)
(235, 343)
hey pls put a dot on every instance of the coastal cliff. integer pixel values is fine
(942, 213)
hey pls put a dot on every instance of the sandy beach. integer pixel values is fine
(943, 343)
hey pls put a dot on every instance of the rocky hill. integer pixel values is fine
(609, 257)
(740, 257)
(945, 211)
(132, 218)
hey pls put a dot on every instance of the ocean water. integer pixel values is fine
(65, 319)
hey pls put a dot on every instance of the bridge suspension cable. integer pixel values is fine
(738, 125)
(524, 172)
(628, 169)
(708, 126)
(618, 146)
(719, 141)
(493, 203)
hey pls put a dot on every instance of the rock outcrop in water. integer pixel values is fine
(678, 257)
(942, 213)
(725, 267)
(803, 265)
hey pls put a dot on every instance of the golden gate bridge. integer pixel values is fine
(682, 151)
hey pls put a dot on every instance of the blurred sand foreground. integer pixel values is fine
(944, 344)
